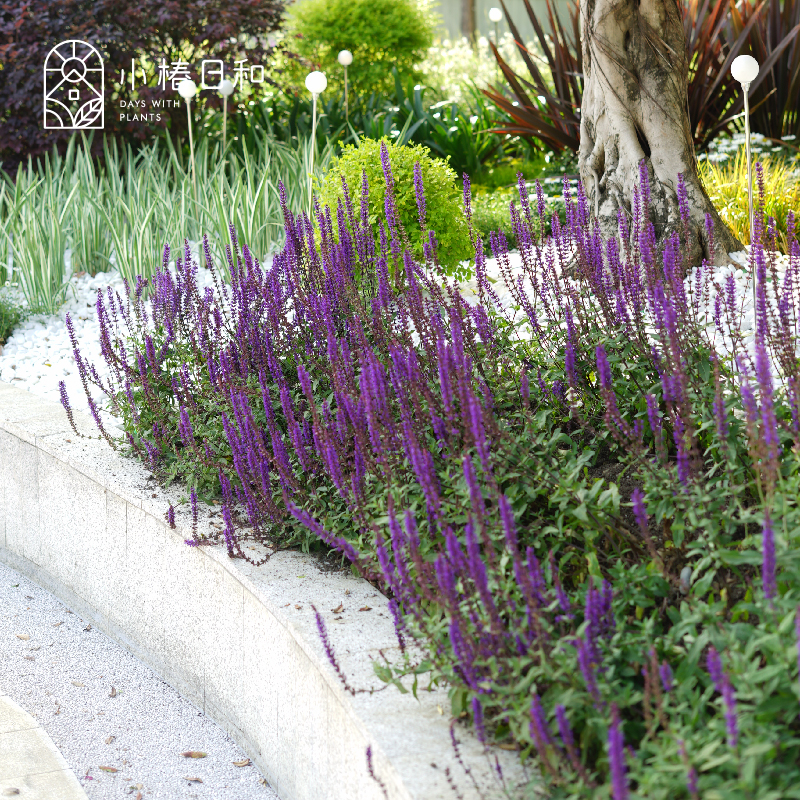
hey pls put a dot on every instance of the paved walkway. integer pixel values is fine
(121, 731)
(31, 767)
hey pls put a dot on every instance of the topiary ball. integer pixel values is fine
(444, 210)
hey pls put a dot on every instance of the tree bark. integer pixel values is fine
(468, 19)
(635, 107)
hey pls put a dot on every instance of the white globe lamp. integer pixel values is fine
(495, 15)
(187, 89)
(345, 58)
(744, 69)
(316, 82)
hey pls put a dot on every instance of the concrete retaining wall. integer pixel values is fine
(239, 641)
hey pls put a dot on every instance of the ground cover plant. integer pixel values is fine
(579, 491)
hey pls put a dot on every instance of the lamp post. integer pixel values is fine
(495, 15)
(187, 89)
(225, 88)
(316, 83)
(745, 70)
(345, 58)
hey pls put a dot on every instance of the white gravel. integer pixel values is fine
(63, 674)
(39, 353)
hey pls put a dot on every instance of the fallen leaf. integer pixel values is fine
(194, 780)
(78, 684)
(288, 604)
(30, 658)
(365, 608)
(138, 796)
(194, 754)
(338, 609)
(109, 769)
(34, 648)
(245, 762)
(507, 746)
(263, 781)
(110, 739)
(113, 692)
(28, 597)
(11, 790)
(23, 636)
(347, 591)
(301, 576)
(56, 624)
(88, 628)
(440, 709)
(299, 608)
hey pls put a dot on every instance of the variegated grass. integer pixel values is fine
(123, 211)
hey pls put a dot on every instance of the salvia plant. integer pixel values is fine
(578, 493)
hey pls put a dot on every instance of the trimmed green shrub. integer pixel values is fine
(491, 213)
(444, 214)
(380, 34)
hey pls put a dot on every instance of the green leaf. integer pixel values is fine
(735, 557)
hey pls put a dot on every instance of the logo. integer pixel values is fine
(73, 87)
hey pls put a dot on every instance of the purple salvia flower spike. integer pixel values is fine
(616, 757)
(714, 666)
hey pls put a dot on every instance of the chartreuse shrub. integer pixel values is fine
(581, 501)
(381, 35)
(442, 213)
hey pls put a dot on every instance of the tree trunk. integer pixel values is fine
(468, 19)
(635, 107)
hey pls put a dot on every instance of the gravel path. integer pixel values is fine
(62, 673)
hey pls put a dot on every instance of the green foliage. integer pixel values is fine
(683, 574)
(124, 209)
(380, 34)
(11, 314)
(444, 211)
(726, 184)
(461, 131)
(490, 213)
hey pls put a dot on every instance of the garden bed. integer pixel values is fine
(241, 642)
